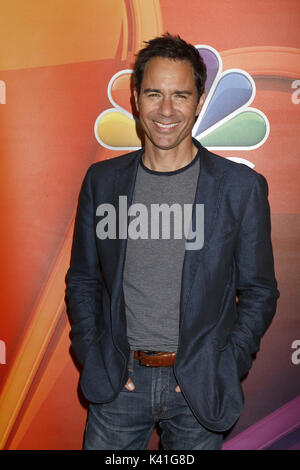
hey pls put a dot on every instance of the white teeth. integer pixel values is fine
(167, 126)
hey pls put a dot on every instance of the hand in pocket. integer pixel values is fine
(129, 385)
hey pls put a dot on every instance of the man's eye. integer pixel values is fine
(181, 96)
(153, 95)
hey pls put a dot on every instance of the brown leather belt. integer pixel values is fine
(155, 359)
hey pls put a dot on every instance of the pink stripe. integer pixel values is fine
(269, 429)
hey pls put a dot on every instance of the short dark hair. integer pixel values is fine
(170, 47)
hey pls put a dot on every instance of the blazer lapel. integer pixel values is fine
(208, 193)
(123, 186)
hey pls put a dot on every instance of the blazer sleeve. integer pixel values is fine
(256, 284)
(84, 279)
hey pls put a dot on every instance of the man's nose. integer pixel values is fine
(166, 106)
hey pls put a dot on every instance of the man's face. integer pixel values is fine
(168, 102)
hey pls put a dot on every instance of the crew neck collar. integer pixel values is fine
(169, 173)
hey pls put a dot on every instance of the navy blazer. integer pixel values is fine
(228, 294)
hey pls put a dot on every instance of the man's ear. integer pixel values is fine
(136, 98)
(200, 104)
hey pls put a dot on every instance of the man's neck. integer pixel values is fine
(157, 159)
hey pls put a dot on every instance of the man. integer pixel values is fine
(165, 326)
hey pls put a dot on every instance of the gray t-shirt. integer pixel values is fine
(153, 267)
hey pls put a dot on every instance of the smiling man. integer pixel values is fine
(165, 332)
(168, 102)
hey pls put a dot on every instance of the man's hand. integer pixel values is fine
(129, 385)
(177, 389)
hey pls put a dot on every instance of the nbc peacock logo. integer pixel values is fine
(226, 121)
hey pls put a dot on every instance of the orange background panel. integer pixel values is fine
(56, 60)
(232, 24)
(37, 33)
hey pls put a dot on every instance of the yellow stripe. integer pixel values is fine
(148, 20)
(34, 344)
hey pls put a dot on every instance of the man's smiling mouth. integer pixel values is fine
(165, 126)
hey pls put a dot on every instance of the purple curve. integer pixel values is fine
(232, 91)
(265, 433)
(212, 66)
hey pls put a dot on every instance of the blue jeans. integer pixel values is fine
(128, 421)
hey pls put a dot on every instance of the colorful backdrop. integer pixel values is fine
(63, 106)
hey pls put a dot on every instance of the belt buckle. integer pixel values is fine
(150, 353)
